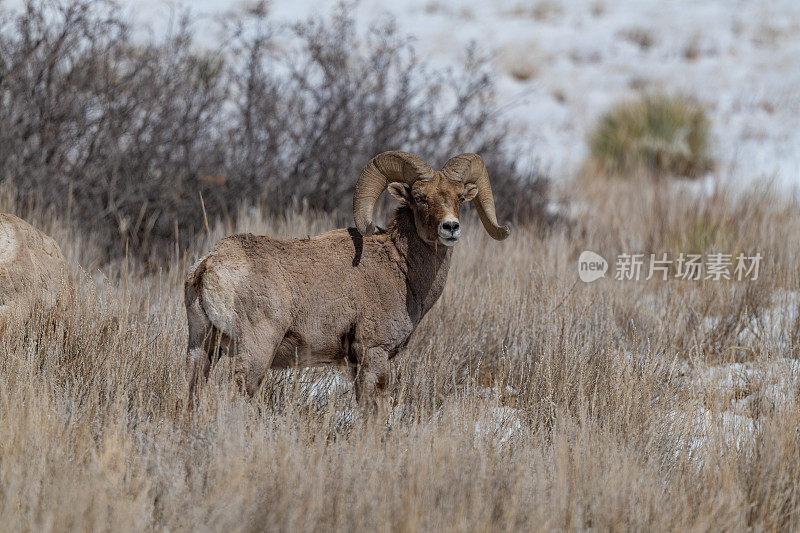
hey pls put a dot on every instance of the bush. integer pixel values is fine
(128, 136)
(658, 135)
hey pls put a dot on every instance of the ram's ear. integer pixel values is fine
(470, 191)
(401, 191)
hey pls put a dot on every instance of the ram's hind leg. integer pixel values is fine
(200, 348)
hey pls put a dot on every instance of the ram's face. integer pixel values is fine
(436, 205)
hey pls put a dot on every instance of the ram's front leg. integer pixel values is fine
(371, 380)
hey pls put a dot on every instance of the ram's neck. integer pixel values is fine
(425, 265)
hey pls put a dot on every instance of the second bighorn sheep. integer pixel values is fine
(346, 297)
(33, 271)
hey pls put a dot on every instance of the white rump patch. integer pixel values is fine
(9, 244)
(219, 290)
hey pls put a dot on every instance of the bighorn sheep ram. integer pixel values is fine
(33, 272)
(345, 297)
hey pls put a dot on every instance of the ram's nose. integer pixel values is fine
(450, 226)
(449, 231)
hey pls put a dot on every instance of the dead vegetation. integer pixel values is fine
(551, 402)
(655, 135)
(131, 139)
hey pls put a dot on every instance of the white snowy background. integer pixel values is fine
(558, 64)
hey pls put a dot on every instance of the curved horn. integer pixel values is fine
(383, 169)
(469, 168)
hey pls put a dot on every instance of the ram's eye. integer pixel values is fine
(422, 201)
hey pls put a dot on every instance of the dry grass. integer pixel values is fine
(521, 61)
(538, 402)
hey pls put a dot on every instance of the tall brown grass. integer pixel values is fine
(526, 399)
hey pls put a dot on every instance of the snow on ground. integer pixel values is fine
(729, 399)
(496, 420)
(770, 384)
(500, 423)
(702, 429)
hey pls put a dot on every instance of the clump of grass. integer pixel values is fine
(656, 135)
(640, 36)
(521, 61)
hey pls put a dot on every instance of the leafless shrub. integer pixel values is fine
(119, 133)
(129, 136)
